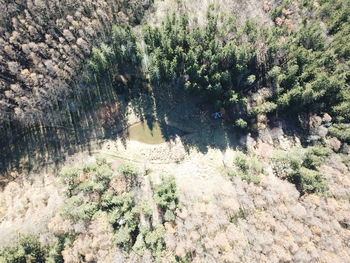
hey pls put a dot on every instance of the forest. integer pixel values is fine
(254, 116)
(219, 61)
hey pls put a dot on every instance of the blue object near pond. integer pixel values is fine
(217, 115)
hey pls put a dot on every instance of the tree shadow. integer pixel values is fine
(174, 107)
(92, 121)
(83, 127)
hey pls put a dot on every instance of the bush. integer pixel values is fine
(251, 79)
(90, 178)
(315, 156)
(248, 168)
(166, 196)
(128, 169)
(241, 161)
(250, 178)
(145, 208)
(77, 207)
(28, 249)
(123, 237)
(154, 240)
(264, 108)
(312, 181)
(90, 195)
(299, 166)
(241, 124)
(54, 253)
(70, 177)
(341, 131)
(124, 215)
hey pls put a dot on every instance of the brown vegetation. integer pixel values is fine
(43, 46)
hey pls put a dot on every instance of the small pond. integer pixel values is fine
(152, 132)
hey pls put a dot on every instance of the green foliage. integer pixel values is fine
(315, 156)
(300, 167)
(123, 210)
(123, 214)
(312, 181)
(251, 79)
(241, 161)
(314, 76)
(264, 108)
(208, 64)
(124, 237)
(240, 123)
(277, 12)
(54, 252)
(341, 131)
(152, 240)
(82, 182)
(70, 177)
(186, 259)
(28, 249)
(77, 207)
(96, 178)
(250, 178)
(89, 194)
(307, 67)
(111, 60)
(247, 167)
(166, 197)
(145, 208)
(128, 169)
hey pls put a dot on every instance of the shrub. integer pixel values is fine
(300, 167)
(312, 181)
(250, 178)
(77, 207)
(241, 161)
(128, 169)
(166, 196)
(90, 178)
(118, 206)
(251, 79)
(154, 241)
(235, 216)
(241, 124)
(315, 156)
(70, 177)
(123, 237)
(248, 168)
(92, 186)
(28, 249)
(127, 227)
(54, 253)
(145, 208)
(264, 108)
(341, 131)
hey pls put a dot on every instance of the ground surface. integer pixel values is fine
(223, 219)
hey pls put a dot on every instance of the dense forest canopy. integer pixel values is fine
(305, 63)
(307, 68)
(44, 45)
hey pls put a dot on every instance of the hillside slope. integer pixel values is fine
(175, 131)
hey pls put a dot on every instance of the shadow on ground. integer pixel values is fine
(90, 125)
